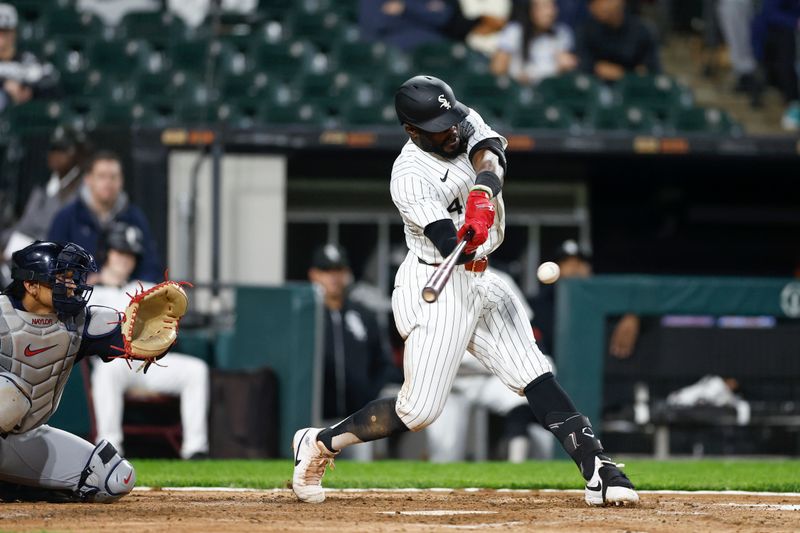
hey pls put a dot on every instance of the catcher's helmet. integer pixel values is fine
(46, 262)
(429, 104)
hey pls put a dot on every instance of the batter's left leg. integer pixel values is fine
(60, 466)
(504, 342)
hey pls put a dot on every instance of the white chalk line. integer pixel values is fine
(471, 489)
(434, 512)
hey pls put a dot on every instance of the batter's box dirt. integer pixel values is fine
(418, 511)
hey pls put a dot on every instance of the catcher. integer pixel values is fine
(45, 328)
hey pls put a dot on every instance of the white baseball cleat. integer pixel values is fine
(310, 460)
(609, 485)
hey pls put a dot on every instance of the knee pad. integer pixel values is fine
(14, 405)
(106, 477)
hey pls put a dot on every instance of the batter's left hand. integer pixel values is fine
(479, 218)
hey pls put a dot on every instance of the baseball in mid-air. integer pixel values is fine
(548, 272)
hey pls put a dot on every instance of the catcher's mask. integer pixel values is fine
(63, 267)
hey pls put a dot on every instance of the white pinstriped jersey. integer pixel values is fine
(476, 312)
(426, 187)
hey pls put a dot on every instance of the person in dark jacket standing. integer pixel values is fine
(613, 42)
(101, 202)
(357, 360)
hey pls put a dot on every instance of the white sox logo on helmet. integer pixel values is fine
(444, 102)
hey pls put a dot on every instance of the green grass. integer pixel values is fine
(771, 475)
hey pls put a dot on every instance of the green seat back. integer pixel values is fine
(576, 92)
(540, 116)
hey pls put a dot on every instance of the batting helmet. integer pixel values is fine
(44, 261)
(429, 104)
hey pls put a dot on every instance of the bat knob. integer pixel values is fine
(429, 295)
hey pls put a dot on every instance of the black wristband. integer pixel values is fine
(489, 179)
(444, 236)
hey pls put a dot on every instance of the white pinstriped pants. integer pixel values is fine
(476, 312)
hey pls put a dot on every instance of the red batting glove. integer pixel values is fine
(479, 218)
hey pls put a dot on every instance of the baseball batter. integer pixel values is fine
(450, 175)
(45, 328)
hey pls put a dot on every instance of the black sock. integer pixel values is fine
(376, 420)
(556, 412)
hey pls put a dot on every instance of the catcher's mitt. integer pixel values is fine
(150, 325)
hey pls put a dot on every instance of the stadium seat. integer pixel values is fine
(348, 9)
(275, 9)
(73, 83)
(576, 92)
(659, 94)
(270, 113)
(317, 27)
(322, 89)
(364, 104)
(489, 115)
(703, 120)
(157, 87)
(487, 91)
(199, 113)
(355, 114)
(117, 57)
(369, 60)
(120, 113)
(153, 26)
(70, 23)
(36, 115)
(66, 54)
(31, 11)
(284, 60)
(241, 41)
(29, 38)
(539, 116)
(448, 61)
(622, 118)
(245, 84)
(192, 55)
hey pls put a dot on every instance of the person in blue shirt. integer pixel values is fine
(100, 203)
(775, 32)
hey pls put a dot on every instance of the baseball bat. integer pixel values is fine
(440, 276)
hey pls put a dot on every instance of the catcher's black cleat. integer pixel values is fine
(609, 485)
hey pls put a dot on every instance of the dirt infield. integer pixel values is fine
(412, 511)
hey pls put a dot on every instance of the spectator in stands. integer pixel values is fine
(178, 374)
(194, 12)
(575, 262)
(775, 34)
(535, 47)
(613, 42)
(22, 76)
(356, 354)
(407, 24)
(572, 13)
(101, 202)
(64, 158)
(735, 19)
(112, 11)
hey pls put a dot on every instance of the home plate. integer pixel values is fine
(435, 512)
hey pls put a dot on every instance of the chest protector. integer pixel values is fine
(37, 352)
